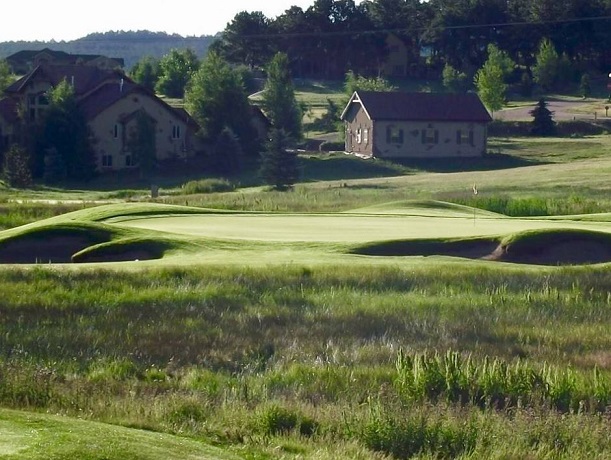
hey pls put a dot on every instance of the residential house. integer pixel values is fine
(110, 102)
(415, 125)
(25, 61)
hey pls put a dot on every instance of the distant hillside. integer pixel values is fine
(131, 46)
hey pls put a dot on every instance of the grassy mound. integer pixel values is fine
(425, 207)
(555, 247)
(124, 250)
(39, 436)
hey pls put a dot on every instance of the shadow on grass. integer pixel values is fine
(489, 162)
(341, 166)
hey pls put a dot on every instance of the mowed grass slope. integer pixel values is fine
(35, 436)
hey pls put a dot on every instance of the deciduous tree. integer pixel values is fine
(490, 79)
(545, 70)
(6, 78)
(216, 98)
(175, 70)
(146, 72)
(63, 127)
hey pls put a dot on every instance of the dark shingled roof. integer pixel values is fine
(85, 78)
(401, 106)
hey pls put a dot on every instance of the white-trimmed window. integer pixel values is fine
(366, 135)
(115, 131)
(430, 135)
(359, 135)
(129, 160)
(176, 132)
(394, 135)
(107, 161)
(465, 137)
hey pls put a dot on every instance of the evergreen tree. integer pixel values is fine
(279, 166)
(543, 123)
(16, 167)
(227, 153)
(279, 100)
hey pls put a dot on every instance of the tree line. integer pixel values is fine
(332, 37)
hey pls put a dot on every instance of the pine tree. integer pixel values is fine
(279, 99)
(227, 153)
(278, 164)
(543, 123)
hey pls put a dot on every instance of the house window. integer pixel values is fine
(465, 137)
(394, 135)
(430, 135)
(107, 161)
(175, 132)
(359, 135)
(366, 135)
(128, 160)
(115, 131)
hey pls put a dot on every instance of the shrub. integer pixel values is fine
(207, 186)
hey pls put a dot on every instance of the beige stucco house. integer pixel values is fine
(415, 125)
(110, 102)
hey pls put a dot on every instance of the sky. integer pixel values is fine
(71, 19)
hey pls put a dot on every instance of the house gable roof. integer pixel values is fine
(402, 106)
(111, 92)
(83, 78)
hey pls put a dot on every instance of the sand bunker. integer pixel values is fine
(62, 249)
(570, 248)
